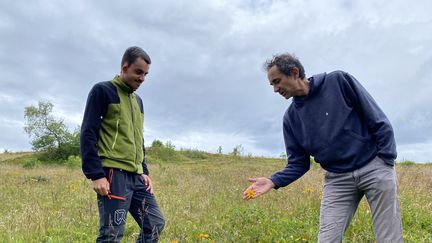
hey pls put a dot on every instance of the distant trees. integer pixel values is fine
(48, 134)
(237, 151)
(51, 137)
(219, 150)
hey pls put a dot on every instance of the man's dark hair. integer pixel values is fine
(132, 53)
(285, 63)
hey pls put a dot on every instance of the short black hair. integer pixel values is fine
(285, 63)
(134, 52)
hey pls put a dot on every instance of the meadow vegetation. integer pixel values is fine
(201, 196)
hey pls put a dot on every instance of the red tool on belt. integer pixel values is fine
(111, 196)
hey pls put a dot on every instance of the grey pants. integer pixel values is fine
(342, 193)
(128, 194)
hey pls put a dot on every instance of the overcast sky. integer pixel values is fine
(206, 86)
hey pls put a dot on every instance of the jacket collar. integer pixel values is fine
(116, 80)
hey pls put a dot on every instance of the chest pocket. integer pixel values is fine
(113, 112)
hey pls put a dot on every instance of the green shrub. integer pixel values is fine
(7, 151)
(157, 143)
(159, 152)
(219, 150)
(31, 163)
(406, 163)
(237, 151)
(73, 161)
(194, 154)
(61, 153)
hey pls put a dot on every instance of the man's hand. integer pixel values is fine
(259, 186)
(148, 182)
(101, 186)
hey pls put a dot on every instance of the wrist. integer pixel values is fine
(272, 184)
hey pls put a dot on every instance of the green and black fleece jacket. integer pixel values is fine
(112, 130)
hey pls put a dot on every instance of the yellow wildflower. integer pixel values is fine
(250, 193)
(174, 241)
(73, 188)
(203, 236)
(308, 190)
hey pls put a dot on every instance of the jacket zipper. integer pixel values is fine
(116, 135)
(133, 126)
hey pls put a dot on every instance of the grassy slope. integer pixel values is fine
(200, 196)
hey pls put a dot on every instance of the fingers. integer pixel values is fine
(102, 190)
(250, 193)
(150, 189)
(101, 186)
(150, 186)
(148, 182)
(245, 193)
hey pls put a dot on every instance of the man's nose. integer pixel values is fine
(276, 89)
(141, 78)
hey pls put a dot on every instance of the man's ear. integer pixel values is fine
(295, 72)
(124, 67)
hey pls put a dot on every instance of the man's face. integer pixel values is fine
(282, 84)
(134, 75)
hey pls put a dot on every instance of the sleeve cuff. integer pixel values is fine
(275, 183)
(97, 177)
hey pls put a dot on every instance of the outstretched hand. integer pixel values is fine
(259, 186)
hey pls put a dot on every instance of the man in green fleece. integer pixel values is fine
(113, 153)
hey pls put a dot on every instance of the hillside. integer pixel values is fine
(200, 195)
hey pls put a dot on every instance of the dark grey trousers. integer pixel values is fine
(140, 203)
(343, 192)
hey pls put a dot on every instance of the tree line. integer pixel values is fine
(51, 138)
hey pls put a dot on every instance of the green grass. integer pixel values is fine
(200, 195)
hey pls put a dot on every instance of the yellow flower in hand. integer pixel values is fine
(250, 194)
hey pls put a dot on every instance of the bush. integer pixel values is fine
(237, 151)
(73, 161)
(407, 163)
(194, 154)
(61, 153)
(157, 143)
(31, 163)
(7, 151)
(159, 152)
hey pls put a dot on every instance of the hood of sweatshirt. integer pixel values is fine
(315, 83)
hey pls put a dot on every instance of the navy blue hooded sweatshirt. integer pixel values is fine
(339, 124)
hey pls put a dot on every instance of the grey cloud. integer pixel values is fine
(207, 77)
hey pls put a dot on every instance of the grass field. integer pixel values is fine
(201, 199)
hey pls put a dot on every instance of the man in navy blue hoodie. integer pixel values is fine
(334, 119)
